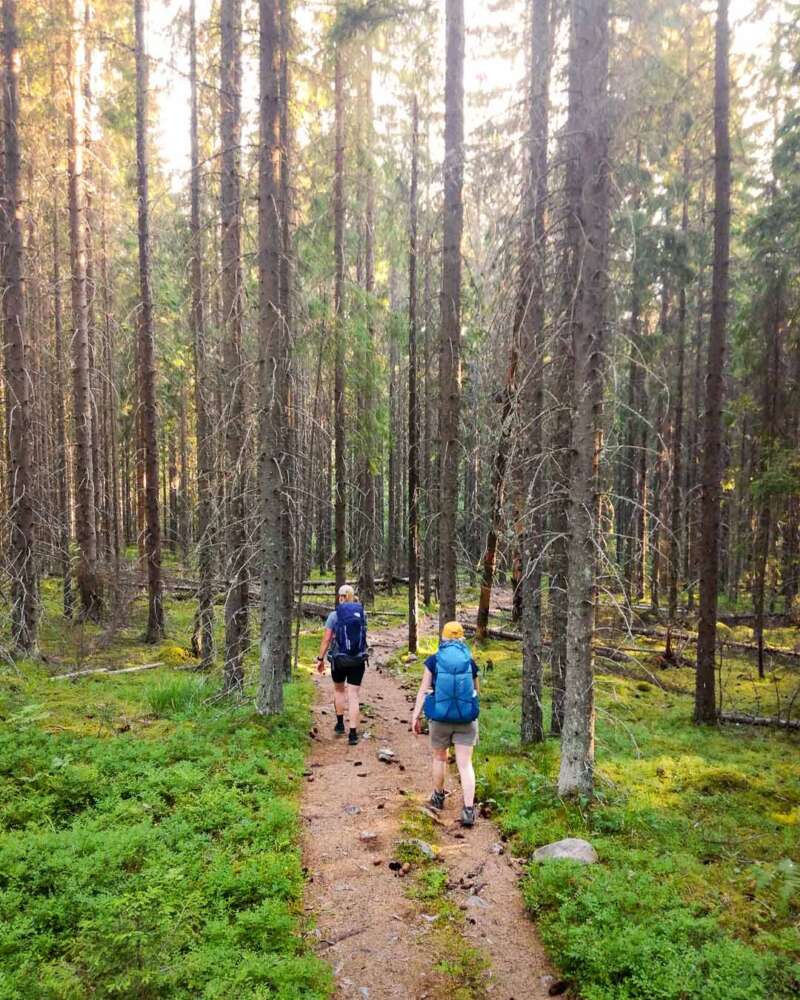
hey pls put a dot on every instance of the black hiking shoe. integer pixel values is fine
(339, 727)
(468, 816)
(436, 801)
(352, 738)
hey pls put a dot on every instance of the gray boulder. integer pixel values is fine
(569, 849)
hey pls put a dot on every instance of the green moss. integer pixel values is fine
(696, 892)
(148, 830)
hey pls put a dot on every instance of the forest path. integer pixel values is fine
(378, 940)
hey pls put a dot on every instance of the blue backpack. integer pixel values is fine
(351, 630)
(454, 698)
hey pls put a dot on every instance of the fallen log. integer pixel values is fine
(311, 610)
(105, 670)
(609, 652)
(747, 647)
(759, 720)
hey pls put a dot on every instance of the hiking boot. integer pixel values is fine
(352, 738)
(339, 727)
(436, 801)
(468, 816)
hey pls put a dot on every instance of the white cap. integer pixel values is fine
(346, 591)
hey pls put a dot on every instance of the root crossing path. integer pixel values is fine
(380, 941)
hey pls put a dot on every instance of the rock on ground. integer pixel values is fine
(569, 849)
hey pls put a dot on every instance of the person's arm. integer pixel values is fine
(476, 677)
(426, 685)
(323, 649)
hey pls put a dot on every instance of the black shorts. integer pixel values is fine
(348, 668)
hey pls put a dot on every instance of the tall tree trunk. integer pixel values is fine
(633, 521)
(677, 508)
(367, 535)
(236, 600)
(61, 429)
(292, 528)
(705, 707)
(146, 345)
(87, 577)
(18, 402)
(427, 553)
(91, 287)
(532, 292)
(450, 329)
(587, 233)
(771, 407)
(274, 626)
(204, 620)
(339, 444)
(413, 415)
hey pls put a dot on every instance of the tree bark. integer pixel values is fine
(587, 228)
(532, 293)
(87, 577)
(18, 402)
(450, 329)
(274, 626)
(146, 345)
(292, 529)
(771, 407)
(413, 416)
(366, 556)
(339, 444)
(204, 621)
(236, 598)
(705, 709)
(677, 507)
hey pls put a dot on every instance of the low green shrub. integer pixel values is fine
(157, 862)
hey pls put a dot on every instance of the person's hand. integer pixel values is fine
(416, 725)
(320, 665)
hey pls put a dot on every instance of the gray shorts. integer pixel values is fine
(443, 734)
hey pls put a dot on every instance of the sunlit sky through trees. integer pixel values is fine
(485, 70)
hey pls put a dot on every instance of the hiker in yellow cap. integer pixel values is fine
(448, 694)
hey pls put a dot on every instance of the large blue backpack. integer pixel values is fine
(351, 630)
(454, 698)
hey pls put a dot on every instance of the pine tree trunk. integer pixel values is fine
(236, 599)
(771, 407)
(146, 346)
(587, 233)
(367, 534)
(705, 709)
(450, 329)
(292, 528)
(61, 430)
(274, 626)
(87, 577)
(18, 403)
(532, 294)
(413, 415)
(677, 508)
(339, 444)
(204, 621)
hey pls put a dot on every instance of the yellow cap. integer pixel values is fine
(453, 630)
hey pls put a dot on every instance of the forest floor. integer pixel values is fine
(150, 833)
(452, 924)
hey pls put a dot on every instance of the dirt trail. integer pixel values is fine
(374, 937)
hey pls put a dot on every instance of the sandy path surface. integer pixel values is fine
(374, 937)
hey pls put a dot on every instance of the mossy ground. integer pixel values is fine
(148, 831)
(698, 831)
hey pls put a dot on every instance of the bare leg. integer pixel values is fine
(339, 698)
(354, 705)
(466, 773)
(439, 769)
